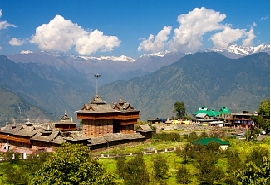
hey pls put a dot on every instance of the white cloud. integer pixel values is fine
(156, 43)
(250, 37)
(227, 36)
(16, 42)
(264, 18)
(60, 34)
(92, 42)
(4, 24)
(189, 36)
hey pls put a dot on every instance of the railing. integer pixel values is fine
(166, 150)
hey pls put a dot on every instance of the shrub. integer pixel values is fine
(192, 137)
(167, 136)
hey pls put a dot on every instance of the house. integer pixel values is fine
(205, 141)
(244, 119)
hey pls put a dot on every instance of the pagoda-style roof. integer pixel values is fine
(97, 105)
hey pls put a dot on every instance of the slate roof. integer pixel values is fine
(206, 141)
(39, 137)
(19, 130)
(97, 105)
(144, 128)
(113, 137)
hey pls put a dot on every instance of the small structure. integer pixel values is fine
(145, 130)
(205, 141)
(154, 121)
(65, 123)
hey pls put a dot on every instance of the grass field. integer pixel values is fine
(175, 161)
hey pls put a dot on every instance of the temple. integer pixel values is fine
(99, 118)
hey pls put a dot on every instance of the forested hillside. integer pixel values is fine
(15, 109)
(201, 79)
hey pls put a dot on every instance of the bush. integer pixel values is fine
(167, 136)
(192, 137)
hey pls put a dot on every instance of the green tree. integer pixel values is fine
(183, 175)
(264, 115)
(161, 167)
(120, 166)
(136, 171)
(257, 155)
(186, 153)
(254, 175)
(179, 109)
(192, 137)
(206, 164)
(234, 163)
(72, 164)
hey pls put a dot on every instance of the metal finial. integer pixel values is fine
(97, 75)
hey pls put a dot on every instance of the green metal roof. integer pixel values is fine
(224, 110)
(206, 141)
(212, 112)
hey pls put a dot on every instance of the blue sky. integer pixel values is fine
(131, 28)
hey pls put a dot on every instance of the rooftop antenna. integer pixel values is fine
(97, 75)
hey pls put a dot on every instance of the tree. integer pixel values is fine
(72, 164)
(264, 115)
(254, 175)
(179, 109)
(161, 167)
(183, 175)
(120, 166)
(135, 171)
(257, 155)
(206, 164)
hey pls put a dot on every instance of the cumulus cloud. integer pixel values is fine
(16, 42)
(60, 34)
(188, 37)
(227, 36)
(4, 24)
(250, 37)
(156, 43)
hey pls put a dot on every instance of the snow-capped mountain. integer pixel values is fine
(121, 58)
(159, 54)
(25, 52)
(236, 51)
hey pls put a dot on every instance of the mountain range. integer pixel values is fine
(56, 82)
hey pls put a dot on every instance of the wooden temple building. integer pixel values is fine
(103, 126)
(99, 118)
